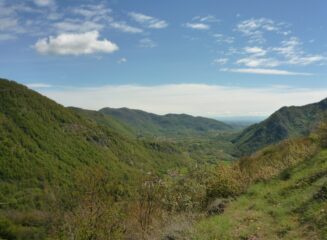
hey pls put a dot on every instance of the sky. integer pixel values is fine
(210, 58)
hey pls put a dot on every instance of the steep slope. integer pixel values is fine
(106, 120)
(284, 196)
(43, 144)
(37, 132)
(289, 206)
(287, 122)
(170, 125)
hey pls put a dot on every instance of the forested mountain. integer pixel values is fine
(285, 123)
(68, 173)
(44, 145)
(205, 140)
(170, 125)
(37, 126)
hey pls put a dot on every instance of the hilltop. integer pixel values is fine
(169, 125)
(45, 145)
(205, 140)
(288, 122)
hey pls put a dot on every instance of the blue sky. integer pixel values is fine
(210, 58)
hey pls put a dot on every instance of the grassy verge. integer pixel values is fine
(290, 206)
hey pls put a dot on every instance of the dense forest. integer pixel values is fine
(69, 173)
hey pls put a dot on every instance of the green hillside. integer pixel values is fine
(201, 138)
(43, 145)
(33, 125)
(292, 205)
(286, 123)
(170, 125)
(68, 173)
(106, 121)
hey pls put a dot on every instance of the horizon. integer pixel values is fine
(250, 119)
(226, 59)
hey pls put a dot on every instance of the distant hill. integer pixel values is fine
(41, 139)
(206, 145)
(285, 123)
(106, 120)
(170, 125)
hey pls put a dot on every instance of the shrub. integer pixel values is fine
(227, 181)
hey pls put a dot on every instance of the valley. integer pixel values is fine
(163, 120)
(70, 173)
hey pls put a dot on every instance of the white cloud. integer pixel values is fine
(258, 62)
(195, 99)
(220, 38)
(122, 60)
(208, 18)
(148, 21)
(255, 28)
(93, 11)
(10, 17)
(75, 44)
(203, 23)
(289, 53)
(256, 51)
(198, 26)
(8, 23)
(16, 20)
(292, 51)
(122, 26)
(44, 3)
(220, 61)
(73, 25)
(84, 18)
(6, 37)
(257, 58)
(147, 43)
(139, 17)
(265, 71)
(158, 24)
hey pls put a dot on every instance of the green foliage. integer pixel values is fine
(186, 192)
(89, 210)
(74, 174)
(227, 181)
(170, 125)
(288, 122)
(273, 159)
(204, 140)
(43, 144)
(291, 207)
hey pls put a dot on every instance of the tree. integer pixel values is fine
(149, 202)
(90, 212)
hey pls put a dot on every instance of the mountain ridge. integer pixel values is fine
(287, 122)
(168, 125)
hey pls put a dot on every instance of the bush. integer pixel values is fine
(185, 194)
(89, 212)
(228, 181)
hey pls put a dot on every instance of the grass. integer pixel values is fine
(281, 208)
(50, 154)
